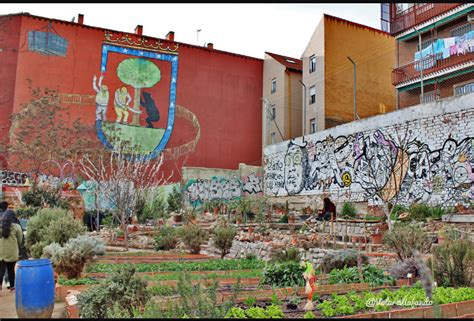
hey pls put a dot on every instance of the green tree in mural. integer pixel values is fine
(138, 73)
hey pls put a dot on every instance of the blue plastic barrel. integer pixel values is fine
(34, 285)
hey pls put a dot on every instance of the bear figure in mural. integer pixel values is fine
(152, 111)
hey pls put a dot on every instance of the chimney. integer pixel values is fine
(80, 19)
(139, 30)
(210, 45)
(170, 36)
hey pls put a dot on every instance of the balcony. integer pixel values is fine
(412, 70)
(418, 13)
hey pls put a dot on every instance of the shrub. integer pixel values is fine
(51, 225)
(283, 219)
(283, 274)
(419, 211)
(341, 259)
(70, 259)
(286, 255)
(124, 289)
(193, 236)
(406, 239)
(401, 268)
(396, 211)
(453, 263)
(151, 205)
(371, 274)
(348, 210)
(37, 196)
(26, 212)
(223, 238)
(174, 200)
(167, 239)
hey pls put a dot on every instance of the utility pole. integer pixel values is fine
(355, 92)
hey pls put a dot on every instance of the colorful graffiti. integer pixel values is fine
(140, 71)
(381, 165)
(199, 191)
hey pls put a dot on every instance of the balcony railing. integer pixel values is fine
(412, 70)
(417, 14)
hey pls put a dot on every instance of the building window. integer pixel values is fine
(274, 112)
(425, 44)
(273, 137)
(461, 30)
(312, 125)
(312, 95)
(273, 85)
(428, 97)
(402, 7)
(312, 63)
(464, 89)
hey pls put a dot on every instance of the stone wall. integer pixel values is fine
(420, 154)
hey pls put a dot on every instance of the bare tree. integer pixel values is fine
(382, 167)
(124, 177)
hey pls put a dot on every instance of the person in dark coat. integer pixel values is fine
(329, 210)
(11, 237)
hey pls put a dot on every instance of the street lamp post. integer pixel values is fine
(355, 92)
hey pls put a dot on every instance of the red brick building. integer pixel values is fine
(435, 47)
(199, 106)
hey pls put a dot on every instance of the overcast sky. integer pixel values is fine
(247, 29)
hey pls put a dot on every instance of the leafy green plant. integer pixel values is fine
(256, 313)
(236, 313)
(274, 312)
(51, 225)
(283, 274)
(123, 288)
(348, 210)
(167, 239)
(193, 236)
(286, 255)
(151, 205)
(283, 219)
(174, 200)
(309, 315)
(453, 263)
(406, 239)
(208, 265)
(250, 301)
(223, 239)
(81, 281)
(275, 299)
(396, 211)
(70, 259)
(341, 259)
(26, 212)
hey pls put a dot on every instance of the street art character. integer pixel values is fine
(310, 278)
(296, 162)
(101, 98)
(152, 111)
(121, 104)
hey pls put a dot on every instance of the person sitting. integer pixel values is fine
(328, 212)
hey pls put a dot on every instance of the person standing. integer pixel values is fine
(101, 98)
(121, 104)
(11, 237)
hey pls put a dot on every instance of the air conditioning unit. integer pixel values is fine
(470, 17)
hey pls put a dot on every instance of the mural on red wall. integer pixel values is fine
(144, 112)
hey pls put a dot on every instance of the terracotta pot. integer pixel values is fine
(441, 239)
(402, 282)
(250, 229)
(377, 238)
(178, 218)
(291, 219)
(216, 210)
(120, 238)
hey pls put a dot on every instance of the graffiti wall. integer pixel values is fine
(201, 185)
(426, 156)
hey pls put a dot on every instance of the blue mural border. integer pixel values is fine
(106, 48)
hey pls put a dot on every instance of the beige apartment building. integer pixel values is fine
(328, 74)
(282, 98)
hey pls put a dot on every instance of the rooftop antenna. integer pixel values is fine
(73, 18)
(197, 38)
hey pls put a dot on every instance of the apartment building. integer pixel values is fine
(282, 98)
(434, 50)
(339, 55)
